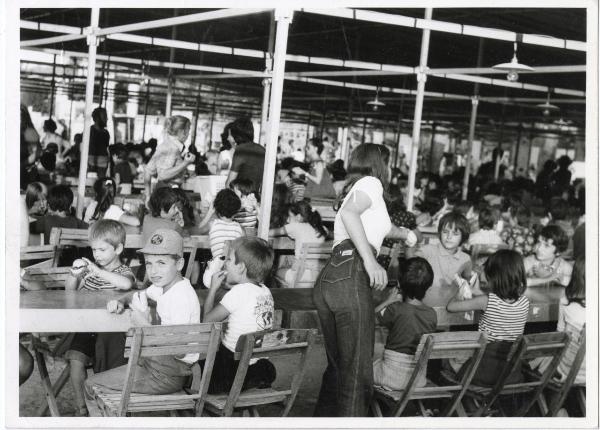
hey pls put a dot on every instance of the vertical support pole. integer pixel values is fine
(102, 78)
(146, 109)
(104, 94)
(92, 42)
(421, 79)
(518, 146)
(212, 111)
(364, 130)
(264, 114)
(283, 18)
(53, 85)
(431, 146)
(170, 76)
(399, 128)
(196, 114)
(499, 158)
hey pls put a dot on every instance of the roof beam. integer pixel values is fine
(449, 27)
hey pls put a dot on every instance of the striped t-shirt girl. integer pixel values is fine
(502, 320)
(221, 231)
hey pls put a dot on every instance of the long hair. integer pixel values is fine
(310, 216)
(105, 196)
(367, 159)
(575, 291)
(505, 273)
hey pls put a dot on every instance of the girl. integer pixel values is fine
(319, 182)
(248, 214)
(342, 293)
(104, 207)
(505, 310)
(304, 226)
(35, 199)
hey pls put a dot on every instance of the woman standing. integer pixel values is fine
(168, 164)
(342, 293)
(99, 138)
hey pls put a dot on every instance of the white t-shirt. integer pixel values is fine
(114, 212)
(302, 232)
(375, 219)
(250, 308)
(179, 305)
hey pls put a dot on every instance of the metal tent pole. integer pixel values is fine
(92, 41)
(264, 114)
(52, 88)
(283, 18)
(170, 78)
(416, 135)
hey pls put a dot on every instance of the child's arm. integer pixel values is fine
(477, 303)
(118, 306)
(207, 217)
(129, 220)
(214, 313)
(120, 282)
(72, 283)
(393, 297)
(280, 231)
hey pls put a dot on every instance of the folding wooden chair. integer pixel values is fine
(63, 237)
(48, 278)
(316, 253)
(467, 345)
(525, 349)
(42, 254)
(262, 344)
(156, 341)
(562, 389)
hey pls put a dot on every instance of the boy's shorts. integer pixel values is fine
(83, 348)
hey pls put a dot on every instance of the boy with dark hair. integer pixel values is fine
(223, 228)
(248, 307)
(545, 264)
(123, 173)
(407, 319)
(60, 199)
(249, 157)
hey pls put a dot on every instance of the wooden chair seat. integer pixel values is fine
(429, 391)
(108, 400)
(215, 403)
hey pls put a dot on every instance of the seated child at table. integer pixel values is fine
(107, 238)
(487, 233)
(223, 228)
(446, 258)
(247, 216)
(571, 319)
(248, 307)
(407, 319)
(304, 226)
(165, 212)
(545, 264)
(104, 208)
(122, 171)
(60, 199)
(505, 310)
(36, 199)
(176, 303)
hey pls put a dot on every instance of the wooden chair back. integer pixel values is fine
(468, 346)
(37, 253)
(314, 254)
(47, 278)
(529, 347)
(261, 344)
(155, 341)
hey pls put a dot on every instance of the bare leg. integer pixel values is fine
(78, 377)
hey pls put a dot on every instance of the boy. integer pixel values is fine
(447, 259)
(60, 199)
(107, 238)
(248, 306)
(226, 205)
(122, 171)
(546, 265)
(176, 303)
(407, 319)
(487, 234)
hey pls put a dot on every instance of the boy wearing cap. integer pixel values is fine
(176, 303)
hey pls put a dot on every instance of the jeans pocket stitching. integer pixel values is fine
(338, 274)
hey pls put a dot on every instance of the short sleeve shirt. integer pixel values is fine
(220, 232)
(302, 232)
(125, 174)
(113, 212)
(248, 161)
(46, 223)
(250, 308)
(559, 265)
(167, 155)
(99, 139)
(406, 324)
(96, 283)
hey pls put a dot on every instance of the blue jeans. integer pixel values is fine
(344, 302)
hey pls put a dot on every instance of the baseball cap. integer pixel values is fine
(163, 242)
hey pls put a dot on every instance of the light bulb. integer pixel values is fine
(546, 112)
(512, 76)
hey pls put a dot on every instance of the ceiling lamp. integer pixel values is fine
(562, 123)
(376, 103)
(547, 107)
(514, 67)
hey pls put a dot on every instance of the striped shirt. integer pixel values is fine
(221, 231)
(502, 320)
(95, 283)
(246, 219)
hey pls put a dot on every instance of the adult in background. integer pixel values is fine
(543, 182)
(319, 183)
(99, 138)
(342, 293)
(249, 158)
(168, 164)
(561, 178)
(30, 149)
(226, 151)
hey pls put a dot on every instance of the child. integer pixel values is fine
(248, 214)
(571, 319)
(446, 258)
(165, 212)
(545, 264)
(107, 238)
(304, 226)
(223, 228)
(318, 182)
(36, 199)
(505, 311)
(176, 303)
(104, 207)
(60, 199)
(248, 307)
(407, 319)
(487, 234)
(122, 171)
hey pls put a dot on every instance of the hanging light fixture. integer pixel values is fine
(547, 107)
(562, 123)
(514, 67)
(376, 103)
